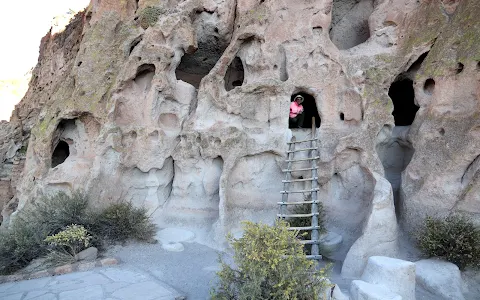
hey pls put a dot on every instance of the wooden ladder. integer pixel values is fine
(313, 159)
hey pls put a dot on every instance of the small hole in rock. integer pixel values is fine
(134, 44)
(441, 131)
(79, 64)
(429, 86)
(342, 116)
(60, 154)
(459, 68)
(235, 75)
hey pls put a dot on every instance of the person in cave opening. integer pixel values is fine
(296, 113)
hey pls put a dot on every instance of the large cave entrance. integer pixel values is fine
(309, 111)
(211, 44)
(395, 148)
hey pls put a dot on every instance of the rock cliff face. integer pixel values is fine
(182, 107)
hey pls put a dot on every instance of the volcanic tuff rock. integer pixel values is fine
(182, 107)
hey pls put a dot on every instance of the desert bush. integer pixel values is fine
(455, 239)
(73, 239)
(52, 215)
(149, 16)
(66, 244)
(123, 221)
(20, 245)
(270, 265)
(55, 212)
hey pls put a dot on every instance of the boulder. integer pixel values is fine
(379, 234)
(361, 290)
(88, 254)
(330, 242)
(394, 274)
(441, 278)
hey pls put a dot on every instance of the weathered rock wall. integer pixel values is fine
(182, 107)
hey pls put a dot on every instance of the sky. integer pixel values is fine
(22, 25)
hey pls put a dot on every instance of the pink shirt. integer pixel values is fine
(295, 109)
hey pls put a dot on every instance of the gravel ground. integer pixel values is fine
(191, 272)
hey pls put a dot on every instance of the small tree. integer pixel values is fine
(270, 264)
(454, 238)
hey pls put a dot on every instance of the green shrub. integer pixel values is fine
(149, 16)
(455, 239)
(20, 245)
(123, 221)
(270, 265)
(55, 212)
(51, 215)
(73, 239)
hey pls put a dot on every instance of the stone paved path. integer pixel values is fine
(120, 282)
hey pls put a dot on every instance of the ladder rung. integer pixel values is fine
(302, 159)
(316, 257)
(308, 228)
(309, 242)
(298, 203)
(301, 191)
(300, 180)
(297, 215)
(296, 142)
(298, 170)
(300, 150)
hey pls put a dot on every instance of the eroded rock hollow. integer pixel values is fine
(183, 107)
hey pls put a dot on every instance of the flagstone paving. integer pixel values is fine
(119, 282)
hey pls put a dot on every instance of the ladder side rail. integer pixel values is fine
(315, 231)
(288, 178)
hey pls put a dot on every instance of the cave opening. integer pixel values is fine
(403, 96)
(350, 22)
(144, 77)
(309, 111)
(235, 74)
(60, 154)
(193, 67)
(211, 41)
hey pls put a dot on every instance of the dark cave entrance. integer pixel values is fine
(235, 74)
(403, 96)
(60, 154)
(309, 110)
(197, 63)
